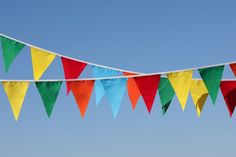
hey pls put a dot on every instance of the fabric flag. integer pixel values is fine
(49, 92)
(181, 82)
(228, 89)
(133, 90)
(212, 78)
(101, 72)
(114, 89)
(82, 91)
(10, 49)
(199, 95)
(15, 92)
(148, 87)
(233, 68)
(166, 93)
(40, 61)
(72, 69)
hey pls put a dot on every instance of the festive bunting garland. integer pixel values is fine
(137, 74)
(112, 82)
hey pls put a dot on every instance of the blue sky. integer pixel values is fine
(144, 36)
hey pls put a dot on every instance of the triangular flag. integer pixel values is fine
(72, 69)
(114, 89)
(228, 89)
(148, 87)
(40, 61)
(199, 94)
(15, 92)
(49, 92)
(181, 82)
(212, 78)
(82, 91)
(10, 49)
(133, 90)
(166, 93)
(101, 72)
(233, 68)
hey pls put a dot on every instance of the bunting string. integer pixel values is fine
(112, 83)
(138, 74)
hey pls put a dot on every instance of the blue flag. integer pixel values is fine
(114, 89)
(101, 72)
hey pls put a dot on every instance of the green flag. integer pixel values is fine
(49, 92)
(212, 78)
(10, 49)
(166, 93)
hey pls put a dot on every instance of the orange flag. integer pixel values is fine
(133, 90)
(233, 68)
(82, 91)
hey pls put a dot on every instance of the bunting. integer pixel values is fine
(199, 95)
(148, 87)
(101, 72)
(108, 81)
(181, 82)
(15, 92)
(10, 49)
(40, 61)
(166, 93)
(212, 77)
(49, 92)
(228, 89)
(114, 89)
(72, 69)
(82, 91)
(133, 90)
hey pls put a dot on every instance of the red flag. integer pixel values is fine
(82, 91)
(133, 90)
(72, 69)
(233, 68)
(228, 89)
(148, 87)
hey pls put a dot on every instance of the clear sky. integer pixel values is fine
(144, 36)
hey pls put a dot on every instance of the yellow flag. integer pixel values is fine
(15, 92)
(199, 94)
(181, 82)
(40, 61)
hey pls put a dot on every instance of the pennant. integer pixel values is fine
(10, 49)
(40, 61)
(212, 78)
(49, 92)
(133, 90)
(233, 68)
(114, 89)
(166, 93)
(148, 87)
(72, 69)
(101, 72)
(15, 92)
(228, 89)
(199, 94)
(181, 82)
(82, 91)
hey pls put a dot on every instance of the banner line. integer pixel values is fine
(89, 79)
(107, 67)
